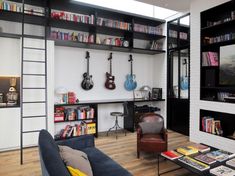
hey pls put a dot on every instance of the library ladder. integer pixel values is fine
(30, 77)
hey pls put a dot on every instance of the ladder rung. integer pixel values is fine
(28, 117)
(34, 12)
(34, 61)
(28, 102)
(29, 74)
(40, 88)
(32, 48)
(33, 36)
(33, 131)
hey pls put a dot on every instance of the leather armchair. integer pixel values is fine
(151, 142)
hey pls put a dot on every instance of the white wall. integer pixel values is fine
(70, 64)
(195, 103)
(10, 117)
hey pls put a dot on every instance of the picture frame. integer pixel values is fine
(138, 94)
(156, 93)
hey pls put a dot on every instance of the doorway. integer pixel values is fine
(178, 74)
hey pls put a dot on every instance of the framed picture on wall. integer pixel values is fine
(156, 93)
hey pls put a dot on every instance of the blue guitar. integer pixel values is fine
(184, 79)
(130, 83)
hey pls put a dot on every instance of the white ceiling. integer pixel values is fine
(177, 5)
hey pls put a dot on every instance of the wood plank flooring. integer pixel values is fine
(122, 150)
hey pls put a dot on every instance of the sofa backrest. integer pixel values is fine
(52, 163)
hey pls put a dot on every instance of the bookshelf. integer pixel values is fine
(217, 123)
(73, 120)
(217, 34)
(120, 31)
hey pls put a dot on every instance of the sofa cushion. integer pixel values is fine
(76, 159)
(102, 165)
(50, 155)
(151, 128)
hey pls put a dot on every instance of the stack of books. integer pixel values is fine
(220, 155)
(171, 154)
(194, 163)
(187, 150)
(231, 162)
(222, 171)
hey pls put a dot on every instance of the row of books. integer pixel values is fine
(210, 125)
(75, 17)
(148, 29)
(71, 114)
(156, 45)
(80, 37)
(114, 42)
(113, 23)
(76, 130)
(213, 23)
(17, 7)
(221, 38)
(210, 58)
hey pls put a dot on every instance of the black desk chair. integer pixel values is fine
(118, 114)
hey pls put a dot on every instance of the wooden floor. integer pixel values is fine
(122, 150)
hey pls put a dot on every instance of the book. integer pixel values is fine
(231, 162)
(194, 163)
(186, 150)
(220, 155)
(171, 154)
(205, 159)
(222, 171)
(200, 147)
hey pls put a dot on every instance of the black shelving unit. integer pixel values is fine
(94, 29)
(216, 22)
(225, 119)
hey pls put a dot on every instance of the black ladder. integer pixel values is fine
(33, 76)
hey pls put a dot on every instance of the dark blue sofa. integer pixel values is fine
(52, 164)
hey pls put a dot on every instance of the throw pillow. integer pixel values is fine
(151, 128)
(75, 172)
(76, 159)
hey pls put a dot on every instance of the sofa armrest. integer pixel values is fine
(78, 143)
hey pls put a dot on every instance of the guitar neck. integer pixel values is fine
(88, 66)
(110, 66)
(131, 69)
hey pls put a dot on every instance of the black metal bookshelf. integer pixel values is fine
(217, 30)
(94, 29)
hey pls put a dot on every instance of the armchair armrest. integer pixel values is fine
(78, 143)
(139, 133)
(165, 134)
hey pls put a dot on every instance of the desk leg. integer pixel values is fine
(158, 164)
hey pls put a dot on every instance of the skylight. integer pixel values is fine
(133, 6)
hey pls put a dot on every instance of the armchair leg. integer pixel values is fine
(138, 154)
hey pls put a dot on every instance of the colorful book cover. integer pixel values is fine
(205, 159)
(201, 148)
(222, 171)
(194, 163)
(218, 155)
(171, 154)
(186, 150)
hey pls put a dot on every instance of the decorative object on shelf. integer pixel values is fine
(156, 93)
(138, 94)
(59, 114)
(12, 95)
(109, 83)
(87, 82)
(156, 45)
(145, 91)
(210, 58)
(184, 79)
(130, 83)
(72, 98)
(61, 91)
(125, 43)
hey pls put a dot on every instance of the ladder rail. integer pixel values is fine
(22, 87)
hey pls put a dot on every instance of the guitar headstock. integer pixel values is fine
(110, 56)
(87, 55)
(130, 59)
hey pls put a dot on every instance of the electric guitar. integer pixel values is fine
(130, 83)
(109, 83)
(184, 79)
(87, 82)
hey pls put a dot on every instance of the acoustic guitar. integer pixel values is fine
(130, 83)
(87, 82)
(109, 83)
(184, 79)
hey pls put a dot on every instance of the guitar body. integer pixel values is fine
(184, 83)
(87, 82)
(130, 83)
(109, 83)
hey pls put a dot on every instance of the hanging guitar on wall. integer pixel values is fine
(184, 79)
(130, 83)
(87, 82)
(109, 83)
